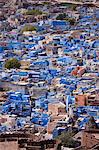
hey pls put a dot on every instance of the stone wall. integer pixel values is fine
(9, 145)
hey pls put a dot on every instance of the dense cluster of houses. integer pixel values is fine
(56, 88)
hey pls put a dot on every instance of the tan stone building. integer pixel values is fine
(13, 145)
(57, 108)
(25, 64)
(90, 138)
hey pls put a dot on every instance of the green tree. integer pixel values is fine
(72, 21)
(34, 12)
(12, 63)
(28, 28)
(73, 7)
(66, 18)
(61, 16)
(67, 140)
(46, 3)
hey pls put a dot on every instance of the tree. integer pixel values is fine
(67, 140)
(46, 3)
(34, 12)
(12, 63)
(28, 28)
(73, 7)
(61, 16)
(72, 21)
(66, 18)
